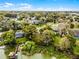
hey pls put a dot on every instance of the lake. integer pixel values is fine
(2, 54)
(35, 56)
(20, 56)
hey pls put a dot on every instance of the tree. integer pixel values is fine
(77, 18)
(20, 18)
(9, 37)
(38, 15)
(37, 38)
(47, 27)
(47, 37)
(71, 38)
(71, 25)
(21, 40)
(43, 19)
(29, 31)
(62, 43)
(29, 46)
(49, 17)
(1, 18)
(76, 47)
(76, 50)
(5, 25)
(22, 15)
(44, 38)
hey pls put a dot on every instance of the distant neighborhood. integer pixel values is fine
(59, 30)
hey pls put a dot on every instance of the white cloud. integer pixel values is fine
(65, 9)
(29, 7)
(6, 4)
(9, 4)
(24, 6)
(42, 9)
(53, 9)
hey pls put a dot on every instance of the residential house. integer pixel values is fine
(74, 32)
(61, 28)
(19, 34)
(12, 16)
(32, 20)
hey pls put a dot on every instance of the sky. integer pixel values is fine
(39, 5)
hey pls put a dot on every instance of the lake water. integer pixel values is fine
(2, 55)
(35, 56)
(20, 56)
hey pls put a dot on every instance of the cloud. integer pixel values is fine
(42, 9)
(11, 6)
(24, 6)
(29, 7)
(53, 9)
(6, 4)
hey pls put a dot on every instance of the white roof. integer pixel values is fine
(1, 33)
